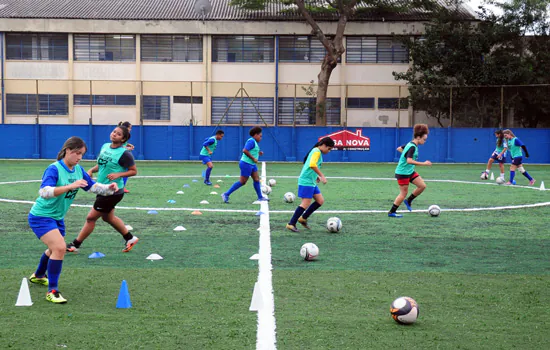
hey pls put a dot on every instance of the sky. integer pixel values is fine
(475, 3)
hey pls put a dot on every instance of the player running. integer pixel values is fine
(516, 146)
(208, 148)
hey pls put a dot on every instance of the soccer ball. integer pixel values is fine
(272, 182)
(289, 197)
(404, 310)
(484, 175)
(309, 251)
(499, 180)
(434, 210)
(266, 189)
(334, 224)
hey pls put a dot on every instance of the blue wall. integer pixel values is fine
(278, 144)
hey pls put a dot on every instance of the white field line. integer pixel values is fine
(265, 336)
(370, 211)
(366, 211)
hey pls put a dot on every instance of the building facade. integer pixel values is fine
(160, 63)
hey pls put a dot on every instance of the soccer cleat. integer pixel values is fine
(39, 280)
(291, 228)
(263, 199)
(207, 183)
(408, 205)
(303, 221)
(532, 182)
(130, 244)
(126, 190)
(55, 297)
(72, 248)
(395, 215)
(225, 198)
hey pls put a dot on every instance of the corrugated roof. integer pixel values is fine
(182, 10)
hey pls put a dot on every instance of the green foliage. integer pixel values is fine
(472, 56)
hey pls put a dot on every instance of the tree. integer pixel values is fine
(344, 11)
(476, 58)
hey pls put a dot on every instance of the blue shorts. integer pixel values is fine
(308, 191)
(517, 161)
(205, 159)
(41, 225)
(502, 160)
(247, 169)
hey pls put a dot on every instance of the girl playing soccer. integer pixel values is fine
(114, 163)
(208, 148)
(404, 172)
(60, 184)
(499, 154)
(307, 183)
(128, 146)
(251, 152)
(515, 146)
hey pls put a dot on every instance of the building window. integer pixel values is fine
(360, 102)
(242, 49)
(45, 47)
(156, 107)
(301, 111)
(26, 104)
(371, 49)
(301, 49)
(171, 48)
(187, 99)
(393, 103)
(105, 100)
(104, 47)
(242, 111)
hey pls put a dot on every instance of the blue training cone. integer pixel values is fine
(96, 255)
(154, 212)
(204, 173)
(123, 301)
(259, 213)
(195, 180)
(186, 185)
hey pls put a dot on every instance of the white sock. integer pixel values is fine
(502, 175)
(487, 171)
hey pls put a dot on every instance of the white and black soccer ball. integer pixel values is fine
(289, 197)
(272, 182)
(500, 180)
(434, 210)
(334, 224)
(309, 251)
(404, 310)
(484, 175)
(266, 189)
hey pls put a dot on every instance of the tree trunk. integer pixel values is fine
(327, 67)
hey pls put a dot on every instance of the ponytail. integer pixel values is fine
(324, 141)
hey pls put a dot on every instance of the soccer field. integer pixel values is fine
(480, 272)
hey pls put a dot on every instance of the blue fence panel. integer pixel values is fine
(278, 143)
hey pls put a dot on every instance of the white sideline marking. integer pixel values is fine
(265, 336)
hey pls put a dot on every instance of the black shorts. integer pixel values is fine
(104, 204)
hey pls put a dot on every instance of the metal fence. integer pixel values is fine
(245, 103)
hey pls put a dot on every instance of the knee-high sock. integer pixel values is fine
(313, 206)
(258, 189)
(526, 174)
(125, 180)
(42, 266)
(54, 271)
(207, 175)
(234, 187)
(512, 175)
(297, 213)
